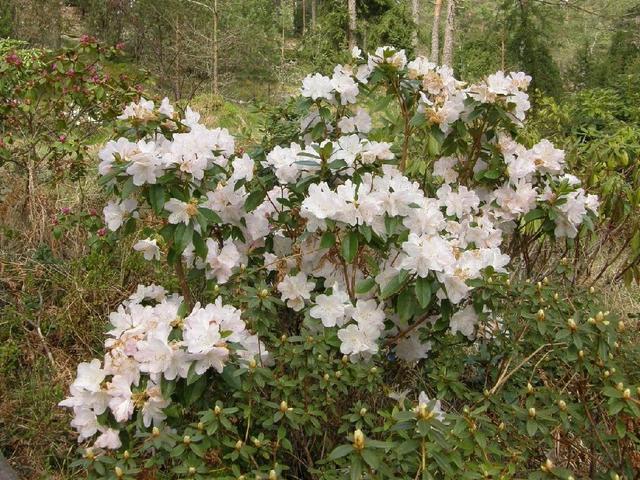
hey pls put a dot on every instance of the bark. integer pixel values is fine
(304, 17)
(351, 37)
(449, 34)
(215, 47)
(435, 32)
(314, 9)
(415, 16)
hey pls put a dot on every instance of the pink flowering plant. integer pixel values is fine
(348, 304)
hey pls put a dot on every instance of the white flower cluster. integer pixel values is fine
(341, 186)
(148, 341)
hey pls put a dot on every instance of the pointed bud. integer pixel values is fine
(358, 439)
(186, 439)
(118, 471)
(326, 377)
(363, 412)
(572, 324)
(621, 326)
(273, 475)
(562, 405)
(126, 455)
(338, 374)
(599, 316)
(155, 432)
(529, 388)
(200, 426)
(532, 412)
(620, 386)
(541, 315)
(217, 410)
(626, 394)
(192, 471)
(238, 445)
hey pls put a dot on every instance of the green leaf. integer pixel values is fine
(405, 305)
(371, 458)
(210, 215)
(534, 214)
(394, 285)
(423, 291)
(199, 245)
(328, 240)
(253, 200)
(349, 247)
(182, 237)
(340, 451)
(365, 285)
(156, 197)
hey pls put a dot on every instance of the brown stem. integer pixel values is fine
(184, 286)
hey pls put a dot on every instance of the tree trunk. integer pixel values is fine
(304, 17)
(415, 16)
(449, 34)
(351, 37)
(313, 14)
(215, 47)
(435, 33)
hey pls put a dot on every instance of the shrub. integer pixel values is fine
(346, 307)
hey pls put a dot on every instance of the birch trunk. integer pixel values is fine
(351, 37)
(449, 34)
(435, 32)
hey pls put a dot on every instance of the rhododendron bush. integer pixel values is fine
(345, 304)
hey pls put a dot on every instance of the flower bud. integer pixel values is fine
(607, 374)
(592, 290)
(572, 324)
(581, 354)
(126, 455)
(626, 394)
(338, 374)
(508, 282)
(358, 439)
(200, 426)
(186, 439)
(345, 359)
(620, 386)
(118, 471)
(326, 377)
(548, 466)
(529, 388)
(539, 286)
(541, 315)
(599, 316)
(562, 405)
(257, 443)
(310, 339)
(155, 432)
(273, 475)
(621, 326)
(374, 370)
(283, 406)
(532, 412)
(545, 280)
(252, 363)
(363, 412)
(217, 410)
(501, 426)
(283, 338)
(556, 296)
(264, 293)
(89, 455)
(192, 470)
(238, 445)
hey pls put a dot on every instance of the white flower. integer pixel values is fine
(221, 261)
(152, 409)
(317, 86)
(243, 168)
(331, 309)
(166, 108)
(295, 290)
(356, 52)
(357, 340)
(436, 409)
(142, 110)
(181, 212)
(464, 321)
(145, 164)
(149, 248)
(427, 253)
(90, 376)
(116, 212)
(109, 439)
